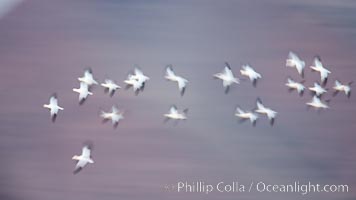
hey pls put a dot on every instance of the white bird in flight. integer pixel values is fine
(317, 103)
(139, 76)
(83, 159)
(134, 83)
(110, 86)
(182, 82)
(175, 114)
(227, 77)
(294, 61)
(83, 92)
(88, 78)
(137, 80)
(115, 116)
(317, 89)
(293, 85)
(246, 115)
(318, 66)
(53, 107)
(248, 71)
(271, 114)
(339, 87)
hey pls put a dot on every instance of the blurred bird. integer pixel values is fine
(134, 83)
(53, 107)
(294, 61)
(293, 85)
(83, 92)
(227, 77)
(110, 86)
(115, 116)
(318, 66)
(317, 103)
(271, 114)
(175, 114)
(182, 82)
(245, 115)
(137, 80)
(83, 159)
(248, 71)
(88, 78)
(139, 76)
(317, 90)
(338, 87)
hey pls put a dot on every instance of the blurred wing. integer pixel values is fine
(54, 117)
(271, 121)
(227, 65)
(227, 89)
(111, 93)
(254, 123)
(254, 82)
(182, 91)
(259, 102)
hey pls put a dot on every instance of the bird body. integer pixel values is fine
(53, 106)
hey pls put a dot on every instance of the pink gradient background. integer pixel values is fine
(45, 45)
